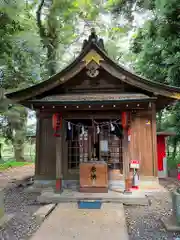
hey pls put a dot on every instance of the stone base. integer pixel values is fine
(93, 189)
(73, 196)
(44, 183)
(148, 185)
(171, 224)
(33, 189)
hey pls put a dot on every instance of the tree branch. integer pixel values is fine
(42, 31)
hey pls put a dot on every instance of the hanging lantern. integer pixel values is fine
(56, 123)
(124, 119)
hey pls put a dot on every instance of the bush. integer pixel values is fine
(172, 162)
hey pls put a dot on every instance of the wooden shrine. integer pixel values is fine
(93, 118)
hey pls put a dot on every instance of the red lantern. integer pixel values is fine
(124, 119)
(56, 123)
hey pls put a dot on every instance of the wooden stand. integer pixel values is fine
(100, 184)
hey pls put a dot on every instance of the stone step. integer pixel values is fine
(43, 212)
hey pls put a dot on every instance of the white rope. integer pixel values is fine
(69, 126)
(102, 124)
(112, 127)
(98, 129)
(82, 130)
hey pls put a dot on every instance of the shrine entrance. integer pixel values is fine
(95, 140)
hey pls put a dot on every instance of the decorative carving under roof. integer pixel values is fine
(92, 69)
(94, 38)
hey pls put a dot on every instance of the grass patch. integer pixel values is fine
(11, 164)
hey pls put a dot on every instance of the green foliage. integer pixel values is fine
(34, 37)
(157, 49)
(127, 8)
(172, 162)
(11, 164)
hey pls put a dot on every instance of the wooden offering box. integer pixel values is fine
(100, 183)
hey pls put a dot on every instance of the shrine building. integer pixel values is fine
(93, 118)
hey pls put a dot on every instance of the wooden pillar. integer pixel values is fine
(124, 120)
(59, 164)
(59, 158)
(154, 140)
(37, 157)
(126, 160)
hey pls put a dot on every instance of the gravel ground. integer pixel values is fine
(144, 222)
(22, 205)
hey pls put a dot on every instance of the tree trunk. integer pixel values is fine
(19, 152)
(168, 150)
(159, 121)
(20, 135)
(51, 58)
(0, 151)
(174, 148)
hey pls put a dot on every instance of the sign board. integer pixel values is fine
(134, 164)
(178, 171)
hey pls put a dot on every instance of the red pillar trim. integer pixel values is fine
(58, 185)
(125, 118)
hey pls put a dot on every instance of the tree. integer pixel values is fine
(157, 49)
(30, 48)
(19, 57)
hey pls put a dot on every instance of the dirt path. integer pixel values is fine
(17, 173)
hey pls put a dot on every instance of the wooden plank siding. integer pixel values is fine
(141, 144)
(46, 152)
(141, 147)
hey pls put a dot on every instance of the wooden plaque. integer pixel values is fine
(87, 184)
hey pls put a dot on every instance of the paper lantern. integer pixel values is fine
(124, 119)
(56, 123)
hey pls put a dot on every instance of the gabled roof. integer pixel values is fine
(93, 50)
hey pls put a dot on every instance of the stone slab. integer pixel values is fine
(67, 222)
(74, 196)
(32, 189)
(43, 212)
(171, 224)
(6, 218)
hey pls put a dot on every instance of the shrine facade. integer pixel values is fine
(93, 118)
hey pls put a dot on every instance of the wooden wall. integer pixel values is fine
(46, 150)
(141, 146)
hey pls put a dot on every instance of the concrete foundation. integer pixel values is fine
(147, 185)
(136, 198)
(44, 183)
